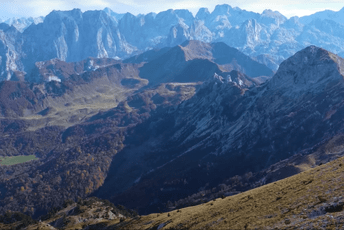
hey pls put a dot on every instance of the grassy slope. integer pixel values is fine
(280, 205)
(291, 203)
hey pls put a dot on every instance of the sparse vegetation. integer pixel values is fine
(286, 204)
(91, 212)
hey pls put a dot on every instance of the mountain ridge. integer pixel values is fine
(224, 122)
(267, 34)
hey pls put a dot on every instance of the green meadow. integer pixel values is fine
(16, 159)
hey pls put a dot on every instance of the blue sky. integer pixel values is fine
(35, 8)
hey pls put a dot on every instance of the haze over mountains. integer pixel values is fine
(72, 35)
(152, 111)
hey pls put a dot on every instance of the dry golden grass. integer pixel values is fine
(6, 226)
(285, 204)
(296, 202)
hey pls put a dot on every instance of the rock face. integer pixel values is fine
(269, 37)
(66, 35)
(74, 36)
(11, 41)
(227, 122)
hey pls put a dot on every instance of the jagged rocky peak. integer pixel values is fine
(241, 79)
(127, 19)
(222, 85)
(99, 16)
(57, 16)
(73, 36)
(172, 17)
(214, 85)
(234, 78)
(223, 9)
(76, 15)
(115, 15)
(271, 13)
(269, 16)
(185, 15)
(312, 67)
(202, 13)
(22, 23)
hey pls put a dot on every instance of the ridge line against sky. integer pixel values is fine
(36, 8)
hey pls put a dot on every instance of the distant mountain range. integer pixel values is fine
(73, 36)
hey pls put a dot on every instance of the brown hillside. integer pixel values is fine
(312, 200)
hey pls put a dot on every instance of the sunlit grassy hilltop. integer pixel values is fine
(310, 200)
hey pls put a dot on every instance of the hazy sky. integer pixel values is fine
(34, 8)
